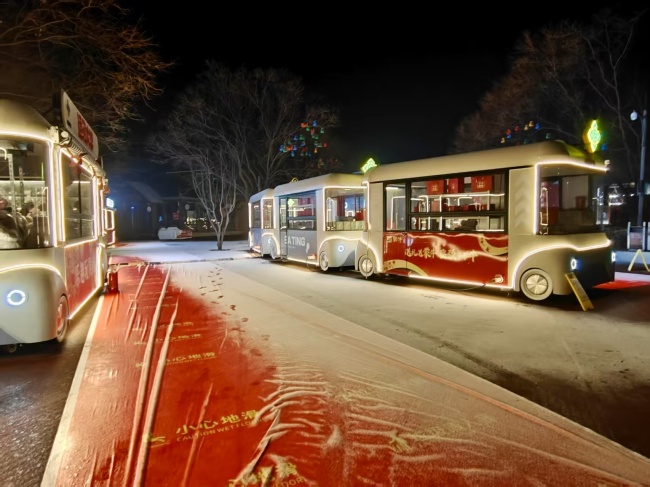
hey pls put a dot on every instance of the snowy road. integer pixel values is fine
(592, 367)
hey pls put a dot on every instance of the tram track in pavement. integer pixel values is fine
(153, 357)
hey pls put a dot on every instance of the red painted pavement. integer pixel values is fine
(175, 394)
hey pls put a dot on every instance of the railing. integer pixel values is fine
(637, 237)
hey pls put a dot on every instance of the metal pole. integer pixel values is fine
(641, 188)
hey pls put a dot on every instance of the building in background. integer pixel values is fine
(140, 211)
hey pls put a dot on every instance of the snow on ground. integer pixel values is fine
(381, 396)
(343, 405)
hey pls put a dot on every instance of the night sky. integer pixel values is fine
(401, 78)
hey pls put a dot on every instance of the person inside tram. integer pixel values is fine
(13, 226)
(28, 212)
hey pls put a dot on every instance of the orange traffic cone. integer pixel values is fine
(113, 285)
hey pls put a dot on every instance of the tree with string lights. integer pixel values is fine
(525, 133)
(307, 150)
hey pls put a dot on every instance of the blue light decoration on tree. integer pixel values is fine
(308, 143)
(306, 147)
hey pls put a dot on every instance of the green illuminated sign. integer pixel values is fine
(370, 163)
(592, 136)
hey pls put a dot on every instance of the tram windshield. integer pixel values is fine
(570, 201)
(24, 182)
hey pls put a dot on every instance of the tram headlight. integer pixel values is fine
(573, 263)
(613, 257)
(16, 297)
(341, 248)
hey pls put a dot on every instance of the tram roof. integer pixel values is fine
(23, 120)
(16, 117)
(265, 193)
(485, 160)
(319, 182)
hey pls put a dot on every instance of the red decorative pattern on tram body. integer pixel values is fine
(456, 256)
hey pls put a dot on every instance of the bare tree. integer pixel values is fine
(616, 88)
(89, 48)
(540, 86)
(215, 183)
(191, 141)
(561, 78)
(256, 112)
(226, 130)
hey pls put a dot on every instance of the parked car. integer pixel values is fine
(174, 233)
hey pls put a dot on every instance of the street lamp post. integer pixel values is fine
(641, 185)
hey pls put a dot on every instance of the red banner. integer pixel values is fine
(80, 272)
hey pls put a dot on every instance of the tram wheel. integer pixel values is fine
(61, 319)
(273, 252)
(10, 348)
(324, 262)
(536, 284)
(366, 267)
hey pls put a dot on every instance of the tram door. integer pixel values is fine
(283, 227)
